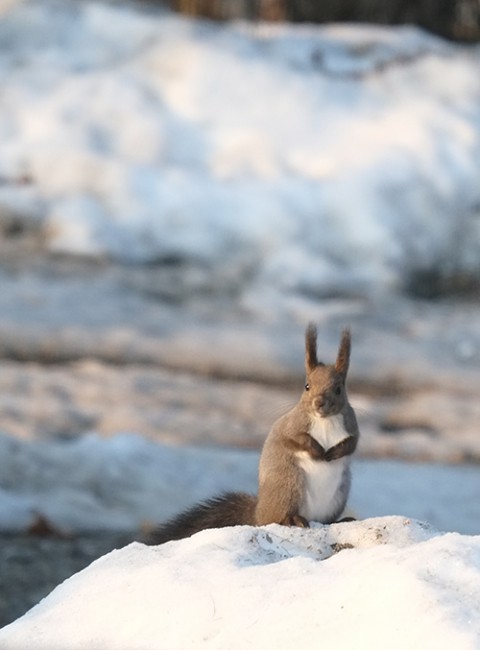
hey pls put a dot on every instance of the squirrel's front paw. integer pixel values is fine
(344, 448)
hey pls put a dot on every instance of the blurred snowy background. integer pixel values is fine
(178, 198)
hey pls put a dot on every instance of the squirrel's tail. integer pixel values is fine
(230, 509)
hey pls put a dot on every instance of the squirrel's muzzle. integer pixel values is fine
(326, 406)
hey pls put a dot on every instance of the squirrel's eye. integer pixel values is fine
(307, 386)
(338, 390)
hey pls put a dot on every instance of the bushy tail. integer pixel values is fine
(230, 509)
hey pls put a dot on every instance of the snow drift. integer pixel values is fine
(381, 583)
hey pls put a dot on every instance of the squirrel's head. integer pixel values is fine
(325, 392)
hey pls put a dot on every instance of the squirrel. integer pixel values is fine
(304, 470)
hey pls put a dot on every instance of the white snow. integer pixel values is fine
(381, 583)
(303, 160)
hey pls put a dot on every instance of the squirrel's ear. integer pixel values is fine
(311, 347)
(343, 355)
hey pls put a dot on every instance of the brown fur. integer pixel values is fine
(230, 509)
(343, 356)
(311, 360)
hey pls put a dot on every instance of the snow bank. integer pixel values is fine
(288, 159)
(381, 583)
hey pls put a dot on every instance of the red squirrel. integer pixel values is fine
(304, 470)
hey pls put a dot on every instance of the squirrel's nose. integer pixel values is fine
(321, 403)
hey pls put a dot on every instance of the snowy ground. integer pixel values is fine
(387, 582)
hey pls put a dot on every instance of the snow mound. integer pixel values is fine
(381, 583)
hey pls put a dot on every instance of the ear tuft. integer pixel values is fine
(343, 355)
(311, 360)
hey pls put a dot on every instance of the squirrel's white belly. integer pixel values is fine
(326, 488)
(326, 483)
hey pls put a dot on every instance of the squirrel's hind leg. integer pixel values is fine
(295, 520)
